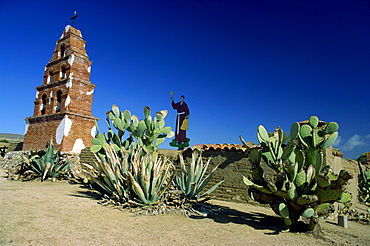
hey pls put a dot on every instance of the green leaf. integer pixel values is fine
(211, 189)
(170, 134)
(117, 123)
(292, 192)
(310, 174)
(301, 178)
(262, 134)
(284, 210)
(101, 137)
(306, 134)
(331, 128)
(316, 139)
(287, 221)
(131, 128)
(294, 130)
(127, 116)
(159, 141)
(306, 199)
(313, 121)
(330, 140)
(247, 181)
(115, 110)
(141, 128)
(115, 147)
(323, 207)
(289, 153)
(96, 141)
(308, 213)
(346, 197)
(111, 115)
(292, 171)
(146, 112)
(166, 130)
(160, 124)
(319, 161)
(95, 148)
(105, 145)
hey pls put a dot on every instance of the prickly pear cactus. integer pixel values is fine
(148, 132)
(303, 186)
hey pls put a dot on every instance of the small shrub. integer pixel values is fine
(43, 164)
(49, 164)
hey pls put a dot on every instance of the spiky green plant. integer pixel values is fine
(138, 178)
(148, 177)
(49, 164)
(364, 184)
(192, 179)
(302, 186)
(109, 172)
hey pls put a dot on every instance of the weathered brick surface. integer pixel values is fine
(233, 165)
(87, 157)
(66, 91)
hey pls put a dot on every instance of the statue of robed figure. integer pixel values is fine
(183, 114)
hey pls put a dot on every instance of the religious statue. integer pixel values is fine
(183, 115)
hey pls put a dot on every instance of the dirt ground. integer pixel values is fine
(60, 213)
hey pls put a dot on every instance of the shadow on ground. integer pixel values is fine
(257, 220)
(224, 214)
(86, 192)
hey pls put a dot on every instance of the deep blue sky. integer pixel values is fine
(239, 63)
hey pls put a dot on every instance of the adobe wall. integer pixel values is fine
(338, 164)
(233, 165)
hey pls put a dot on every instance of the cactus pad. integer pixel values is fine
(346, 197)
(262, 134)
(331, 128)
(330, 140)
(287, 221)
(294, 130)
(308, 213)
(284, 210)
(313, 121)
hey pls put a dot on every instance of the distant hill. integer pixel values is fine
(11, 137)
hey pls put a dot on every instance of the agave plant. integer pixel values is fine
(191, 180)
(149, 177)
(138, 178)
(49, 164)
(109, 172)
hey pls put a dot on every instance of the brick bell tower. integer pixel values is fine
(62, 112)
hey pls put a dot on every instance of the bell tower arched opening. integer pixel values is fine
(59, 101)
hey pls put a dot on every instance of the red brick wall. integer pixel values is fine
(43, 129)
